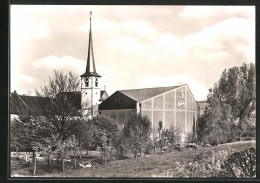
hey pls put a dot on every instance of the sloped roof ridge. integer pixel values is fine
(146, 93)
(151, 88)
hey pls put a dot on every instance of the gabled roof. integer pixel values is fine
(23, 103)
(146, 93)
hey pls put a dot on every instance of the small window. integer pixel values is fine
(86, 81)
(96, 82)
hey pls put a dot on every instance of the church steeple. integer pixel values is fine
(91, 68)
(90, 82)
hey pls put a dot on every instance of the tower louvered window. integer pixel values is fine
(96, 82)
(86, 81)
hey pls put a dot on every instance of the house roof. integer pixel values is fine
(202, 104)
(22, 103)
(145, 93)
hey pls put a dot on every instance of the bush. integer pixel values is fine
(171, 136)
(218, 164)
(207, 164)
(241, 164)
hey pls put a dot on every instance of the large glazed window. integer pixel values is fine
(158, 102)
(169, 100)
(169, 119)
(113, 115)
(147, 104)
(180, 120)
(147, 114)
(121, 117)
(157, 116)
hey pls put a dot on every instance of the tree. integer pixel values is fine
(84, 133)
(30, 134)
(137, 133)
(60, 107)
(231, 103)
(105, 133)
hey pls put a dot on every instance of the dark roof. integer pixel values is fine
(34, 104)
(202, 104)
(90, 74)
(146, 93)
(117, 101)
(23, 103)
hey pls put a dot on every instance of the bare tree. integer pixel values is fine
(61, 106)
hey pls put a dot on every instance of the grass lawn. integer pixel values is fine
(153, 165)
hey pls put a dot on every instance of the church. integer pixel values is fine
(173, 106)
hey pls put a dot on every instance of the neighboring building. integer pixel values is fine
(202, 106)
(174, 106)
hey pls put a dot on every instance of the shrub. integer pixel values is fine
(241, 164)
(208, 164)
(171, 136)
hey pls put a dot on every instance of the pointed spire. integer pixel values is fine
(91, 68)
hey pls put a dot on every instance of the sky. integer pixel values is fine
(134, 46)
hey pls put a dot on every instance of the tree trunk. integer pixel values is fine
(140, 152)
(34, 163)
(48, 160)
(75, 161)
(79, 152)
(25, 157)
(16, 149)
(62, 165)
(104, 156)
(59, 168)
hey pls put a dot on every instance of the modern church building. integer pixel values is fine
(173, 106)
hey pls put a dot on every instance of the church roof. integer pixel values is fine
(91, 68)
(145, 93)
(23, 103)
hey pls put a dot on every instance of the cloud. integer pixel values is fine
(195, 11)
(198, 89)
(58, 63)
(139, 27)
(128, 45)
(29, 30)
(171, 43)
(99, 26)
(27, 79)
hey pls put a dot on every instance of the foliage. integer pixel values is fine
(241, 164)
(84, 133)
(137, 133)
(58, 106)
(120, 144)
(231, 105)
(218, 164)
(103, 126)
(171, 136)
(208, 164)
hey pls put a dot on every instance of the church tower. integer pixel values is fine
(90, 82)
